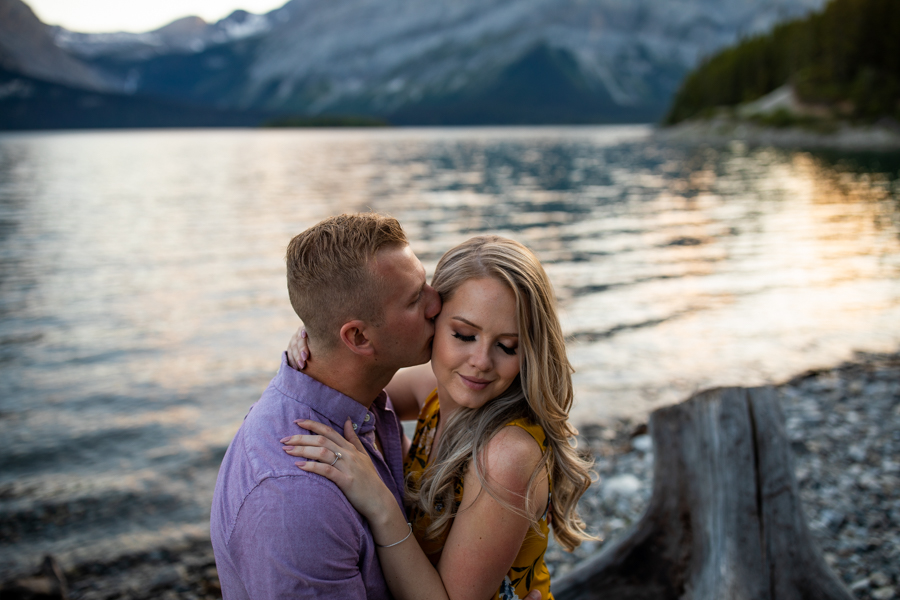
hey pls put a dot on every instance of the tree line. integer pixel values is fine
(846, 57)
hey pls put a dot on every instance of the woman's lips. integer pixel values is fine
(474, 383)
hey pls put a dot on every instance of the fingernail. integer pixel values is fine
(300, 421)
(303, 333)
(299, 465)
(284, 439)
(304, 356)
(287, 448)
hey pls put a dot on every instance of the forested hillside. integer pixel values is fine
(846, 57)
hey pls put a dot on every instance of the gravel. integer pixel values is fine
(844, 427)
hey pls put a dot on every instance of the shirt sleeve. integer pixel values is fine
(297, 537)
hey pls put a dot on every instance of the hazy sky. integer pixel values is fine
(137, 15)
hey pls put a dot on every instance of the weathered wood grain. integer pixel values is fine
(724, 519)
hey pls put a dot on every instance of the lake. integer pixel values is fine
(143, 304)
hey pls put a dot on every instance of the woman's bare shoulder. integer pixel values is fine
(410, 388)
(511, 456)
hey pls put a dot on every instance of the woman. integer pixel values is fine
(492, 440)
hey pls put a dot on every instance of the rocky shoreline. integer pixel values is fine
(844, 425)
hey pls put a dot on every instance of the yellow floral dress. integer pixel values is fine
(528, 571)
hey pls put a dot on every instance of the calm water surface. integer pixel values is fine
(143, 304)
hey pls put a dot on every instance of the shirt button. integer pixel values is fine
(368, 416)
(355, 427)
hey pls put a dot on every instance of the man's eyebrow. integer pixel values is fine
(471, 324)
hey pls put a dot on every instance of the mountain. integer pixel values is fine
(28, 46)
(450, 61)
(30, 103)
(185, 35)
(438, 62)
(841, 62)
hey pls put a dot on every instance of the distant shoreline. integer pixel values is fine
(720, 131)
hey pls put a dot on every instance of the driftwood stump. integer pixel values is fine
(724, 521)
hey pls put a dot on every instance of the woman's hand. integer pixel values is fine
(298, 350)
(345, 462)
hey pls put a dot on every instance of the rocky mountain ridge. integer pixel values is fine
(27, 46)
(185, 35)
(443, 62)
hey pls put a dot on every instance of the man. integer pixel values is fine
(278, 531)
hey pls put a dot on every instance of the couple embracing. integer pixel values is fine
(320, 494)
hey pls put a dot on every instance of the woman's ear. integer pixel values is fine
(353, 335)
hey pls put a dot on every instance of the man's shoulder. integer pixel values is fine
(255, 456)
(256, 446)
(256, 483)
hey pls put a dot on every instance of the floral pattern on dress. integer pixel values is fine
(507, 591)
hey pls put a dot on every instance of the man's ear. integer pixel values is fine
(353, 335)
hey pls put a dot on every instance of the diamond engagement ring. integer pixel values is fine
(337, 457)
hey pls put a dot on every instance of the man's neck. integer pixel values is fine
(348, 376)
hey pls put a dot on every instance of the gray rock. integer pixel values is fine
(885, 593)
(622, 485)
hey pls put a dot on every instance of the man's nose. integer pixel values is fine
(433, 303)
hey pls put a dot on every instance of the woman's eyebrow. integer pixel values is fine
(471, 324)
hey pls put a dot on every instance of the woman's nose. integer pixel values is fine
(481, 358)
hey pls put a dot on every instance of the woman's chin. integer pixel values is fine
(470, 399)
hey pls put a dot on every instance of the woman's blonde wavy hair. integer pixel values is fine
(542, 393)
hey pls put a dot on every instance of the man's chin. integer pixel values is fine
(426, 353)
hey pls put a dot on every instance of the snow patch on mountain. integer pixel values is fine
(186, 35)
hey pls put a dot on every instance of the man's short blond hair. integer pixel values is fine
(329, 277)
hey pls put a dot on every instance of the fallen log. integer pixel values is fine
(724, 520)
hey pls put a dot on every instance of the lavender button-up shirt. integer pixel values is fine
(279, 532)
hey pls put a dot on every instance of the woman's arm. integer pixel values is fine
(486, 536)
(409, 389)
(476, 556)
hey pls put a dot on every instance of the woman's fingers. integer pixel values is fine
(298, 351)
(319, 453)
(325, 470)
(325, 445)
(324, 431)
(307, 440)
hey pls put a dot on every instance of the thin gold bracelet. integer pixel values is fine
(400, 542)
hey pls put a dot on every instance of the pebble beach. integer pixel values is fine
(844, 426)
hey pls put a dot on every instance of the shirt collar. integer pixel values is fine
(328, 402)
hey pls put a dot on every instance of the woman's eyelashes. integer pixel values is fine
(507, 349)
(471, 338)
(465, 338)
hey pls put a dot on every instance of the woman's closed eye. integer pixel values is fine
(507, 349)
(471, 338)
